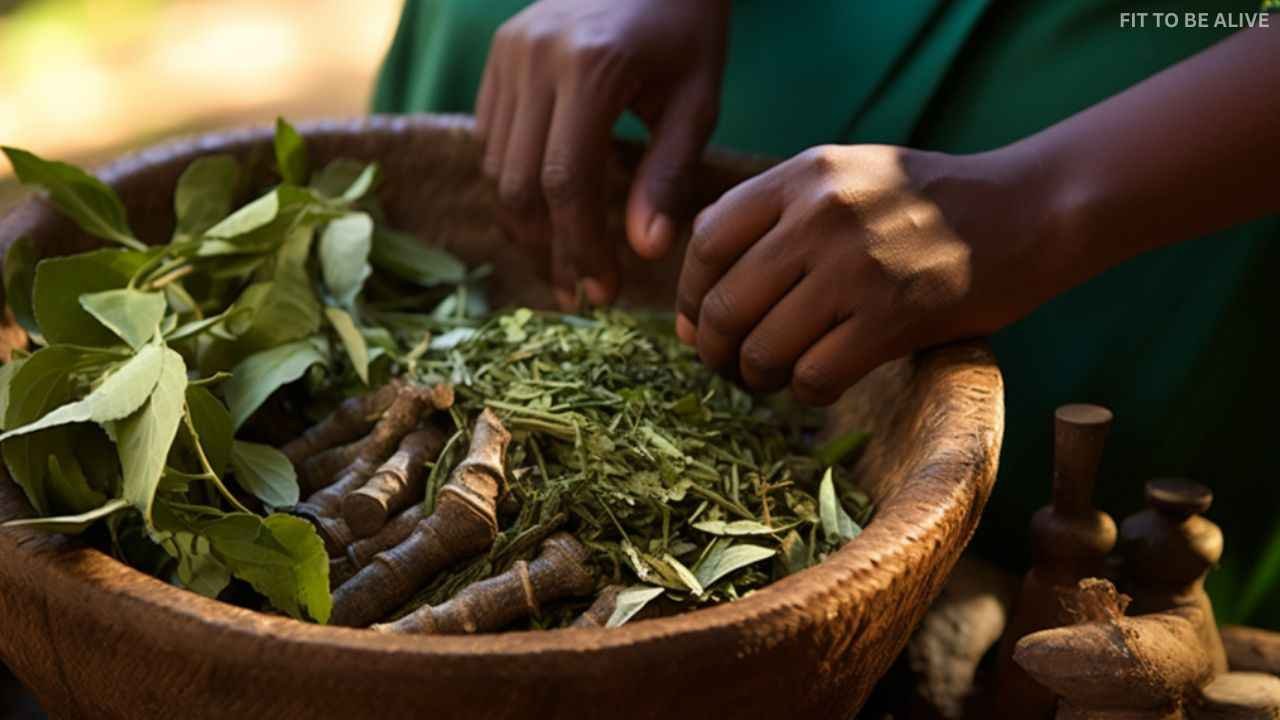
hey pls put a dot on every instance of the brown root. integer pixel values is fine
(394, 486)
(1252, 649)
(396, 422)
(597, 616)
(353, 418)
(1239, 696)
(559, 571)
(463, 524)
(361, 552)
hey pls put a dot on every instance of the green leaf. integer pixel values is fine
(7, 371)
(72, 524)
(199, 569)
(722, 561)
(143, 439)
(205, 194)
(46, 382)
(60, 279)
(344, 256)
(287, 308)
(406, 257)
(841, 448)
(133, 315)
(631, 601)
(260, 374)
(255, 215)
(19, 277)
(196, 327)
(687, 578)
(213, 426)
(291, 153)
(68, 486)
(345, 180)
(82, 197)
(737, 528)
(123, 392)
(352, 340)
(265, 472)
(837, 526)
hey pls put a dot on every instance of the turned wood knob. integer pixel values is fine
(1079, 435)
(1178, 497)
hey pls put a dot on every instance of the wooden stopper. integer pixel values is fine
(597, 616)
(463, 524)
(395, 484)
(1079, 435)
(351, 419)
(400, 418)
(560, 571)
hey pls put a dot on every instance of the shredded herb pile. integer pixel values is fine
(678, 481)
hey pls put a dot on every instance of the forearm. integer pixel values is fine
(1190, 151)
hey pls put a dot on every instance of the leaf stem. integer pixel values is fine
(208, 468)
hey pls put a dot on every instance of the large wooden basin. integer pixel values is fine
(96, 639)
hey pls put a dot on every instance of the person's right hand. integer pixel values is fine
(559, 75)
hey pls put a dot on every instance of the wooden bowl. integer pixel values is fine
(96, 639)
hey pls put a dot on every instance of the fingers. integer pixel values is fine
(742, 297)
(497, 130)
(807, 313)
(721, 234)
(841, 358)
(488, 91)
(519, 184)
(572, 180)
(660, 183)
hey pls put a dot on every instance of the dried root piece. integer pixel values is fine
(395, 484)
(464, 523)
(559, 571)
(323, 508)
(362, 552)
(396, 422)
(1239, 696)
(1252, 649)
(597, 616)
(353, 418)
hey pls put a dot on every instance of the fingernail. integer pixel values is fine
(659, 236)
(685, 330)
(597, 293)
(564, 299)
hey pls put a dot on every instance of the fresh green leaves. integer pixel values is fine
(82, 197)
(352, 340)
(19, 277)
(836, 523)
(631, 601)
(61, 281)
(205, 193)
(406, 257)
(291, 153)
(144, 437)
(73, 524)
(725, 558)
(133, 315)
(265, 472)
(344, 256)
(257, 376)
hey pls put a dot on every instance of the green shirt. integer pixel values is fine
(1178, 342)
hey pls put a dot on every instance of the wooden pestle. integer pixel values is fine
(394, 486)
(559, 571)
(1168, 548)
(322, 508)
(1070, 540)
(463, 524)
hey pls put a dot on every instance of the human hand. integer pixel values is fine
(559, 75)
(815, 272)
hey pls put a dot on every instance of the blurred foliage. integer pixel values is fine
(29, 26)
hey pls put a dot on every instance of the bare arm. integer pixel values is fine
(843, 257)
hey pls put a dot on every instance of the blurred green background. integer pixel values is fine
(85, 80)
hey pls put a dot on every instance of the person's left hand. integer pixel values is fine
(844, 257)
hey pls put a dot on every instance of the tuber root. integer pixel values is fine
(361, 552)
(396, 422)
(394, 485)
(597, 616)
(324, 506)
(463, 524)
(353, 418)
(559, 571)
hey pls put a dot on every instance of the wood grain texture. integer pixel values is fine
(95, 639)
